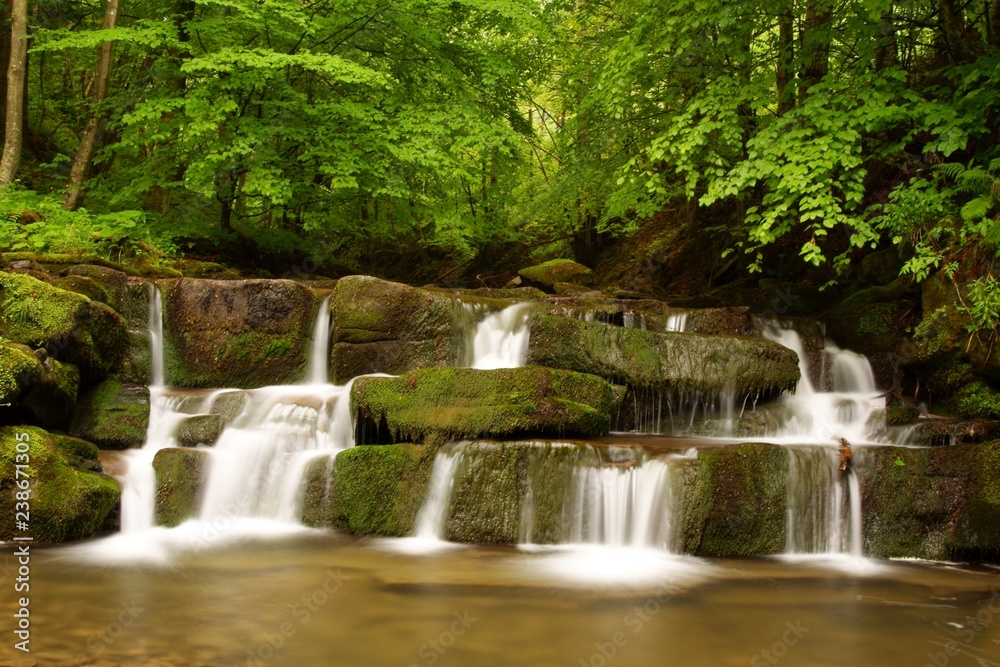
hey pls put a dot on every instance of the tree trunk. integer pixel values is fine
(92, 130)
(816, 42)
(5, 63)
(959, 44)
(786, 56)
(16, 71)
(995, 24)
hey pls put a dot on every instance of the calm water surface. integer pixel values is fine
(327, 600)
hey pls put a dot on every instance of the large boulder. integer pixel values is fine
(69, 496)
(181, 475)
(231, 333)
(201, 430)
(113, 415)
(386, 327)
(466, 403)
(708, 365)
(940, 504)
(545, 276)
(70, 327)
(374, 490)
(36, 391)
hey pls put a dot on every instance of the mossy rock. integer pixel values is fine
(373, 490)
(938, 504)
(386, 327)
(82, 285)
(70, 498)
(181, 475)
(19, 369)
(456, 403)
(735, 500)
(192, 268)
(494, 480)
(49, 402)
(880, 267)
(136, 364)
(545, 276)
(71, 327)
(113, 415)
(705, 365)
(736, 321)
(201, 430)
(245, 334)
(58, 261)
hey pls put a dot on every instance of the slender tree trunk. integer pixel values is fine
(816, 42)
(887, 51)
(92, 130)
(958, 42)
(16, 70)
(786, 56)
(5, 63)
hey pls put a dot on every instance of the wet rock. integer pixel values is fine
(71, 327)
(386, 327)
(706, 364)
(735, 321)
(200, 430)
(545, 276)
(181, 475)
(113, 415)
(450, 403)
(247, 334)
(70, 498)
(938, 504)
(375, 490)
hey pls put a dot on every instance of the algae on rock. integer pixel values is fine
(462, 403)
(69, 497)
(112, 415)
(181, 475)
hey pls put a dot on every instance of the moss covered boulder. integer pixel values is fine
(386, 327)
(70, 327)
(453, 403)
(231, 333)
(201, 430)
(70, 498)
(674, 361)
(940, 504)
(374, 490)
(35, 389)
(181, 475)
(112, 415)
(545, 276)
(19, 369)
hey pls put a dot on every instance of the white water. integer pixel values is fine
(850, 410)
(677, 322)
(319, 359)
(631, 503)
(156, 373)
(255, 470)
(501, 339)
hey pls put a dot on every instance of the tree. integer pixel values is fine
(13, 136)
(92, 130)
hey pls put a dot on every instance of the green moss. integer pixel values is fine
(18, 369)
(672, 361)
(70, 326)
(50, 401)
(368, 490)
(69, 500)
(181, 475)
(200, 430)
(467, 403)
(547, 274)
(278, 348)
(735, 501)
(59, 259)
(113, 415)
(977, 400)
(85, 286)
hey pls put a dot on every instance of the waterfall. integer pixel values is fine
(635, 502)
(849, 410)
(156, 373)
(319, 360)
(677, 322)
(824, 504)
(501, 339)
(432, 519)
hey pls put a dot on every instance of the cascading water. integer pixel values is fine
(677, 322)
(501, 339)
(319, 363)
(823, 492)
(256, 468)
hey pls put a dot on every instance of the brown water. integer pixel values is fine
(326, 600)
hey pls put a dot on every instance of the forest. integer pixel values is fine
(454, 141)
